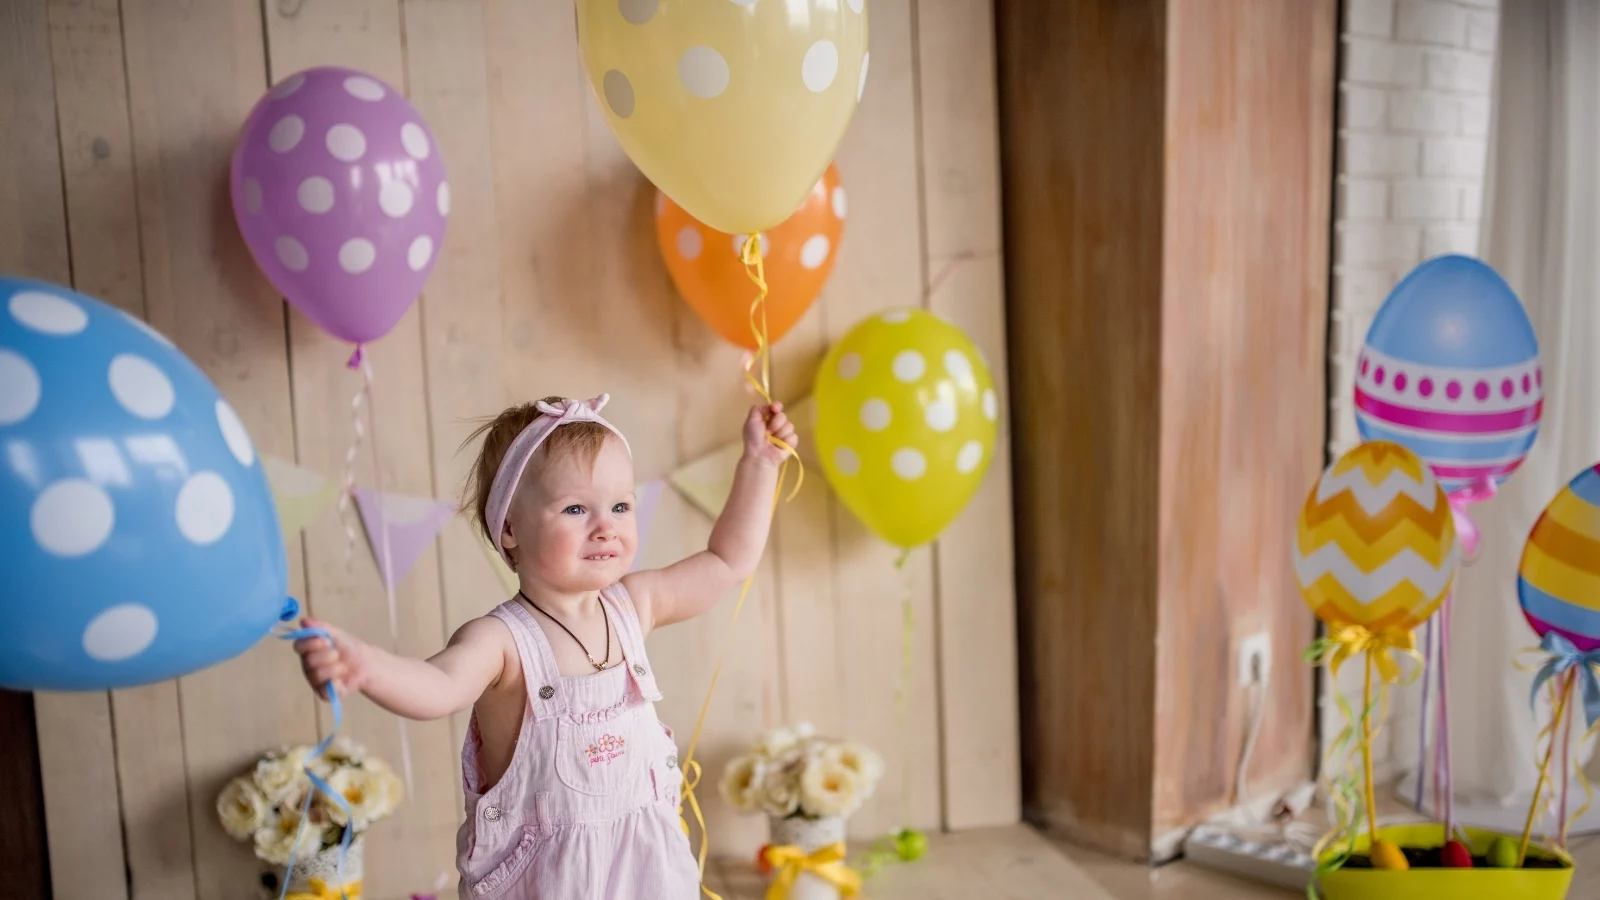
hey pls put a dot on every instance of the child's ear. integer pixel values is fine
(507, 539)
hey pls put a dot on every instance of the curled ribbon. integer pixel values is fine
(826, 863)
(1582, 671)
(1384, 649)
(756, 270)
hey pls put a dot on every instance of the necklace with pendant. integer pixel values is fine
(598, 666)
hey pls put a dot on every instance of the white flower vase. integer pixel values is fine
(808, 835)
(324, 867)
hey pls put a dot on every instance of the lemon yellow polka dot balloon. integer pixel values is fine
(733, 108)
(906, 422)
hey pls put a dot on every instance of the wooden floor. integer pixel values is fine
(1018, 864)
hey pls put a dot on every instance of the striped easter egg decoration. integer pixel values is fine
(1376, 544)
(1558, 580)
(1450, 369)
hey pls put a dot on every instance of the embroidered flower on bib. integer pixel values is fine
(605, 749)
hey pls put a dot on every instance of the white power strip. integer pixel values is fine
(1275, 862)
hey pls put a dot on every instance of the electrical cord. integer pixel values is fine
(1280, 825)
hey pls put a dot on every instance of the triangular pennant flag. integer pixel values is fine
(708, 481)
(508, 578)
(300, 494)
(412, 524)
(644, 510)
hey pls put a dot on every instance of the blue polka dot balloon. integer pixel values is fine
(138, 531)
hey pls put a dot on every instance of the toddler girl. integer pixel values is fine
(571, 782)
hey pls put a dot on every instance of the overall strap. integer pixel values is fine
(631, 636)
(542, 678)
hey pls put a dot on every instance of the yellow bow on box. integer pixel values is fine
(321, 890)
(826, 863)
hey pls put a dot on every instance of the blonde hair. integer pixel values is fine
(584, 439)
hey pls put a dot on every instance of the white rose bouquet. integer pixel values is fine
(790, 772)
(264, 806)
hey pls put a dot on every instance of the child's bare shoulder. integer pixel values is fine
(485, 630)
(483, 640)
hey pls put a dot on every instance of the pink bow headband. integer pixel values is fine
(506, 478)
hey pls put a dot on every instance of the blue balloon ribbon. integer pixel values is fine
(291, 611)
(1563, 656)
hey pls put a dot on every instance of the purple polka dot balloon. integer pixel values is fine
(339, 189)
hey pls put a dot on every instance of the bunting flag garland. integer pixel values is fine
(413, 523)
(707, 481)
(646, 500)
(300, 494)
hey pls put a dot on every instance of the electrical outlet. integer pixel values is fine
(1255, 658)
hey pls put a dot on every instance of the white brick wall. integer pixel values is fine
(1413, 127)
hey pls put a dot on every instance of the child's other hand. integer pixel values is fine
(762, 423)
(342, 664)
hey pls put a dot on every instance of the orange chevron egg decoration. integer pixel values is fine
(1377, 542)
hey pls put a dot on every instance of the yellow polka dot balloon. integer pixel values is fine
(906, 422)
(733, 108)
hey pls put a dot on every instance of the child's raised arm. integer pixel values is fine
(450, 681)
(693, 585)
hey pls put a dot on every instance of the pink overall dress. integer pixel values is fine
(588, 808)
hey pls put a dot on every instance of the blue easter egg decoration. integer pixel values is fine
(138, 531)
(1450, 370)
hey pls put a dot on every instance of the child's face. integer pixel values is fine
(571, 527)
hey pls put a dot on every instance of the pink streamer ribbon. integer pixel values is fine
(1476, 491)
(1422, 723)
(1442, 735)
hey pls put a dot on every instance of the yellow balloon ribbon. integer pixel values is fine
(1383, 650)
(321, 890)
(1588, 790)
(1550, 731)
(750, 254)
(826, 863)
(755, 268)
(902, 694)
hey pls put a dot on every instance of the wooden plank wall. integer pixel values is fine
(1082, 132)
(1248, 219)
(1167, 176)
(116, 124)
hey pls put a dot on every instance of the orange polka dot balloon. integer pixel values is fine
(798, 256)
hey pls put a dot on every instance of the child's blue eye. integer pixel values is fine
(621, 508)
(573, 510)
